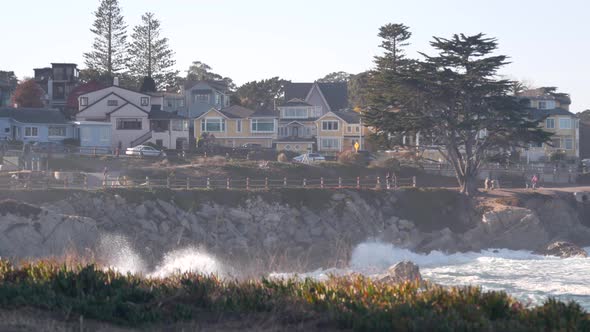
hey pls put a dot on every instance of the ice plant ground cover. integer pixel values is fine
(353, 302)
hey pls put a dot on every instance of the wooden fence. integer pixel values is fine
(31, 181)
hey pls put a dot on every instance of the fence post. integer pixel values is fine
(284, 182)
(378, 185)
(322, 183)
(247, 183)
(94, 152)
(266, 183)
(227, 183)
(358, 182)
(304, 182)
(394, 181)
(85, 181)
(414, 181)
(208, 183)
(147, 181)
(339, 183)
(188, 183)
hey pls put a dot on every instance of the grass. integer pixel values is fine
(353, 303)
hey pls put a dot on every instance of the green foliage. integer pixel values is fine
(336, 77)
(353, 303)
(109, 51)
(150, 55)
(263, 94)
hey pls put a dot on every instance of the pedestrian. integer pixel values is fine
(534, 181)
(105, 175)
(487, 183)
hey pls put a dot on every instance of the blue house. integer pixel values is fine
(202, 96)
(34, 125)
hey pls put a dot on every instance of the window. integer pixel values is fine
(565, 123)
(181, 102)
(83, 101)
(57, 131)
(282, 131)
(330, 143)
(217, 99)
(295, 112)
(263, 125)
(349, 129)
(128, 124)
(145, 101)
(546, 104)
(112, 102)
(31, 131)
(550, 123)
(201, 98)
(568, 143)
(170, 104)
(213, 125)
(178, 125)
(358, 129)
(105, 134)
(536, 145)
(329, 125)
(239, 126)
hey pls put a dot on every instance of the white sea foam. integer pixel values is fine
(188, 260)
(531, 278)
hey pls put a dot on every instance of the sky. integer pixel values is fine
(302, 40)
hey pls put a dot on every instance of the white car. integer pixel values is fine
(145, 150)
(309, 157)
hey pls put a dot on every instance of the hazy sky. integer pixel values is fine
(302, 40)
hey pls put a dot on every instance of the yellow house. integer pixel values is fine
(236, 126)
(339, 131)
(553, 107)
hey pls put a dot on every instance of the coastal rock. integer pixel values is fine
(564, 250)
(401, 272)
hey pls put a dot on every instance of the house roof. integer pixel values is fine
(33, 115)
(218, 85)
(264, 113)
(237, 112)
(296, 102)
(348, 116)
(336, 94)
(162, 115)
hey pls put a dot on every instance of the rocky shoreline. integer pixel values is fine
(255, 228)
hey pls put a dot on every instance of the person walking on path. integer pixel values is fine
(487, 183)
(534, 181)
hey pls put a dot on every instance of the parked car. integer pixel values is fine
(252, 146)
(309, 157)
(145, 150)
(48, 147)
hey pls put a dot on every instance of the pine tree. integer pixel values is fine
(395, 39)
(109, 53)
(150, 55)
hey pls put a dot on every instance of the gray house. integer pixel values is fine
(202, 96)
(328, 97)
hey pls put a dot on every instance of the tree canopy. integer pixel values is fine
(28, 94)
(263, 94)
(109, 50)
(454, 102)
(150, 55)
(336, 77)
(200, 71)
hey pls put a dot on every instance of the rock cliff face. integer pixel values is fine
(298, 229)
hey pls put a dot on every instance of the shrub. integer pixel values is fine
(350, 157)
(282, 158)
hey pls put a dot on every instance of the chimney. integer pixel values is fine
(116, 81)
(49, 92)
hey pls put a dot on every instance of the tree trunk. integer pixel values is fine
(468, 184)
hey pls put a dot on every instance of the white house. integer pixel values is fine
(131, 118)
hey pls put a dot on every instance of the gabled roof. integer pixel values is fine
(296, 102)
(218, 85)
(237, 112)
(33, 115)
(214, 110)
(347, 116)
(125, 104)
(336, 94)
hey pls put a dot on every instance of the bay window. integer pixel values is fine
(330, 144)
(129, 124)
(263, 125)
(213, 125)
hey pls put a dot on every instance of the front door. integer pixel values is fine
(295, 131)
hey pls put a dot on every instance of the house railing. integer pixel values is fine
(142, 139)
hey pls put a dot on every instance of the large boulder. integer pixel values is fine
(401, 272)
(564, 250)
